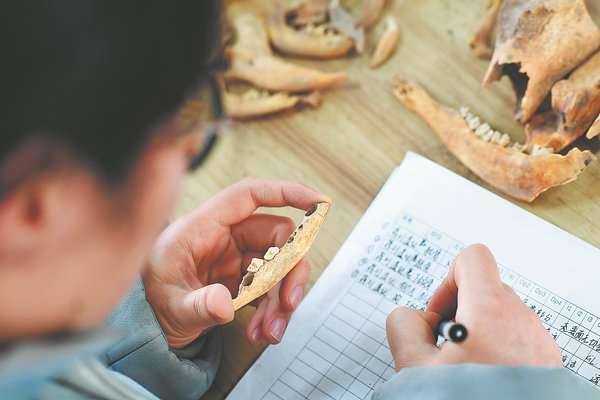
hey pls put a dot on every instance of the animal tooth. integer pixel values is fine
(473, 123)
(320, 30)
(252, 94)
(483, 129)
(539, 151)
(519, 147)
(271, 253)
(535, 150)
(255, 265)
(488, 136)
(496, 136)
(464, 110)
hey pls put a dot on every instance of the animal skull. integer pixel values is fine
(537, 43)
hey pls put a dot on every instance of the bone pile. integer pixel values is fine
(558, 101)
(316, 29)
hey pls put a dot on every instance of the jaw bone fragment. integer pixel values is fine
(262, 276)
(387, 44)
(372, 10)
(252, 61)
(522, 176)
(537, 43)
(254, 103)
(575, 105)
(320, 41)
(481, 38)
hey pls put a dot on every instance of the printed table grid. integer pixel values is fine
(348, 357)
(344, 366)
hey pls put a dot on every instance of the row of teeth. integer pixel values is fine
(487, 134)
(257, 263)
(254, 94)
(320, 29)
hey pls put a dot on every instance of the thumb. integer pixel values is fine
(209, 306)
(412, 337)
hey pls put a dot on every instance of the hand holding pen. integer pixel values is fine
(502, 329)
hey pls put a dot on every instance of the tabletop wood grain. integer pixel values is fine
(349, 145)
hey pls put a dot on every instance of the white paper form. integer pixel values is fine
(398, 253)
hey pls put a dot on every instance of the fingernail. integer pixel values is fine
(325, 198)
(296, 296)
(257, 336)
(277, 328)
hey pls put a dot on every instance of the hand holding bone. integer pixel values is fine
(198, 261)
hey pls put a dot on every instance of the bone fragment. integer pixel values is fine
(387, 43)
(250, 63)
(312, 99)
(250, 34)
(372, 10)
(253, 103)
(575, 106)
(310, 42)
(255, 284)
(481, 38)
(517, 174)
(537, 43)
(594, 129)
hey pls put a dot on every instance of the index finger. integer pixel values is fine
(235, 203)
(474, 274)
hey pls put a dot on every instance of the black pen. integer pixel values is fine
(452, 331)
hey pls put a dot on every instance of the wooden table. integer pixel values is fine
(350, 144)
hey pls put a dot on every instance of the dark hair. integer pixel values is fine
(96, 75)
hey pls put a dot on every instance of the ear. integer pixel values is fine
(23, 216)
(37, 173)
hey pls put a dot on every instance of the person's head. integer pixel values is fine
(91, 157)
